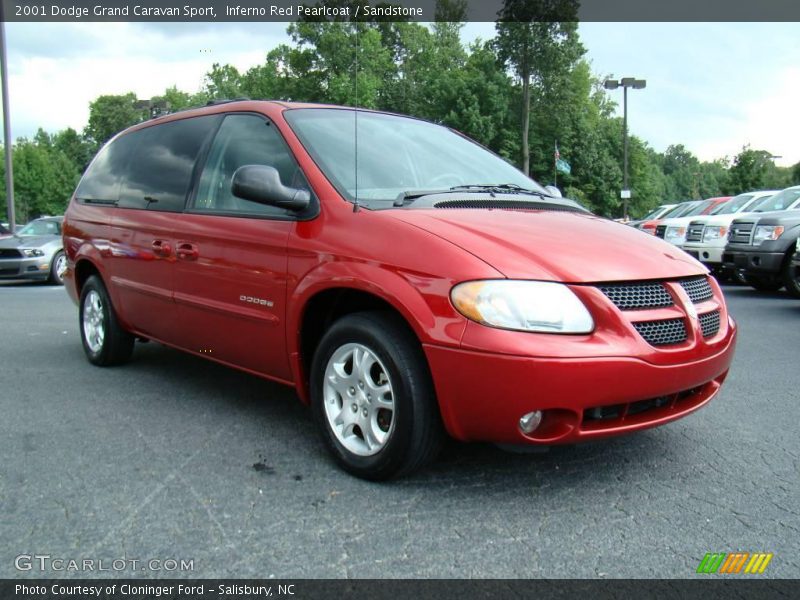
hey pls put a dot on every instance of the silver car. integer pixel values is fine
(35, 252)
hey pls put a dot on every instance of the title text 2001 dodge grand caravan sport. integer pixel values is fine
(407, 285)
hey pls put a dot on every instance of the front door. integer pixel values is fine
(230, 272)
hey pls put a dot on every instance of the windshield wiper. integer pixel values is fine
(490, 188)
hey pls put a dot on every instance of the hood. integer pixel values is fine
(555, 246)
(36, 241)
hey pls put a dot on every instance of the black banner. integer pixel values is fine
(440, 589)
(400, 10)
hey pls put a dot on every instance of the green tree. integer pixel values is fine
(750, 171)
(537, 50)
(109, 115)
(44, 178)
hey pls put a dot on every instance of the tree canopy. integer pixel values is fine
(520, 93)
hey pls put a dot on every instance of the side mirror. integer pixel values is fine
(262, 184)
(553, 191)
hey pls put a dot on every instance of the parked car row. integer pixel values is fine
(35, 252)
(751, 237)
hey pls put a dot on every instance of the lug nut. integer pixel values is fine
(355, 408)
(365, 413)
(352, 390)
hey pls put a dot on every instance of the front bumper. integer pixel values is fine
(483, 395)
(753, 261)
(708, 255)
(25, 268)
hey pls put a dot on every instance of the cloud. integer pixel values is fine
(57, 69)
(713, 87)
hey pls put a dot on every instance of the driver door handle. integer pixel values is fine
(187, 251)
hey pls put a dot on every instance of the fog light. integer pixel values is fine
(529, 422)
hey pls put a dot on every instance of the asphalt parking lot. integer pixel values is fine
(172, 457)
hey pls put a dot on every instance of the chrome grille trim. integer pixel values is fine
(695, 232)
(741, 233)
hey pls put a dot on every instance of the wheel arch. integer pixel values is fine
(332, 291)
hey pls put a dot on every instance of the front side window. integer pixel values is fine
(242, 140)
(374, 157)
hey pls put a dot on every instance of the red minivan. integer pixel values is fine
(407, 282)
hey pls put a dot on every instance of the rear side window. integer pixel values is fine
(159, 172)
(100, 183)
(244, 140)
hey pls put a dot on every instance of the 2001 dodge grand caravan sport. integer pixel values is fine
(407, 285)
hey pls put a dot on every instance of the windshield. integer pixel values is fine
(41, 228)
(699, 209)
(654, 214)
(681, 209)
(780, 201)
(734, 205)
(395, 155)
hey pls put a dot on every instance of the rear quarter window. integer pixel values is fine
(160, 168)
(149, 168)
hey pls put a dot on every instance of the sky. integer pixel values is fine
(713, 87)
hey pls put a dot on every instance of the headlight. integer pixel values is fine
(675, 235)
(523, 306)
(31, 252)
(767, 232)
(714, 232)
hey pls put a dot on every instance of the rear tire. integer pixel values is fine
(373, 398)
(105, 342)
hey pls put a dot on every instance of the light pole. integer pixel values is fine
(7, 131)
(625, 83)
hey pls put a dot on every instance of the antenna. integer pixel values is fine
(355, 125)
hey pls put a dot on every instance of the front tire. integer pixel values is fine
(764, 284)
(58, 267)
(105, 342)
(791, 277)
(373, 397)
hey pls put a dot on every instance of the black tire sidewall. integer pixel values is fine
(402, 364)
(790, 278)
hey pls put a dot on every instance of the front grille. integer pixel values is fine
(660, 231)
(636, 296)
(695, 232)
(709, 323)
(10, 253)
(662, 333)
(741, 233)
(697, 289)
(6, 272)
